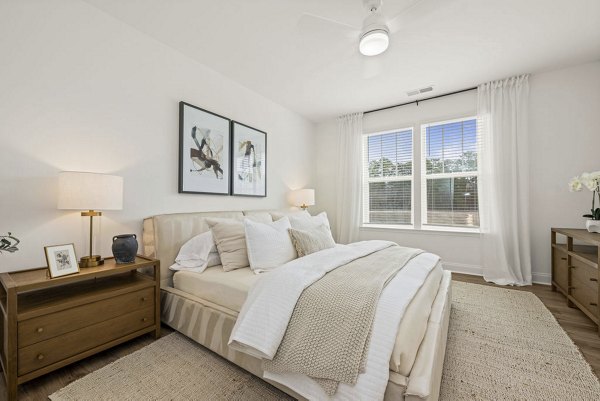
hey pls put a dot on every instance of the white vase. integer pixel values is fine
(593, 226)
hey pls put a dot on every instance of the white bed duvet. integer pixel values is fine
(264, 317)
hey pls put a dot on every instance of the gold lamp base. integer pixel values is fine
(91, 261)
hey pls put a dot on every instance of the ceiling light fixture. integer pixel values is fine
(374, 42)
(375, 37)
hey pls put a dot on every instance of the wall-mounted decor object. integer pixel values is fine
(8, 243)
(124, 248)
(61, 260)
(90, 192)
(204, 156)
(249, 161)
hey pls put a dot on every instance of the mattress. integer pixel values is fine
(229, 289)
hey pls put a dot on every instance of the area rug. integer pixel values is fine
(506, 345)
(502, 345)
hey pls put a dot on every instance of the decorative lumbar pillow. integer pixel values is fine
(197, 254)
(269, 245)
(308, 222)
(230, 239)
(311, 241)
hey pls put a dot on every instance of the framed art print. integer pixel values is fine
(204, 151)
(61, 260)
(249, 161)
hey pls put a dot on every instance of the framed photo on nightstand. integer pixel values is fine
(61, 260)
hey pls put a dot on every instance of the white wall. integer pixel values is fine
(82, 91)
(564, 141)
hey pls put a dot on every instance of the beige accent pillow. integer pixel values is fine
(230, 239)
(311, 241)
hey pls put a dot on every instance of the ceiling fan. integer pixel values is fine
(374, 35)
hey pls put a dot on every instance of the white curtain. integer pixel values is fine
(504, 197)
(349, 177)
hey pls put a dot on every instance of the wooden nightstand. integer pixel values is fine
(49, 323)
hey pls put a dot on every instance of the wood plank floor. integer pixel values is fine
(579, 327)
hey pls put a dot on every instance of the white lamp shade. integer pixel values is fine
(89, 191)
(303, 197)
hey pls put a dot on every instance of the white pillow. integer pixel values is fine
(269, 244)
(307, 222)
(197, 254)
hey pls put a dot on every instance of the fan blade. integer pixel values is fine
(316, 24)
(372, 67)
(417, 10)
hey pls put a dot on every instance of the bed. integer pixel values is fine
(205, 308)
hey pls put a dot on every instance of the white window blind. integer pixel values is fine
(387, 177)
(450, 173)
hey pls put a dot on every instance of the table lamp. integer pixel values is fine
(90, 192)
(303, 198)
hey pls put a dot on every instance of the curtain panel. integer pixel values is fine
(504, 188)
(349, 173)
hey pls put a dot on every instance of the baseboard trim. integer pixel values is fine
(472, 270)
(475, 270)
(541, 278)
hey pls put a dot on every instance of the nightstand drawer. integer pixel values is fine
(42, 328)
(47, 352)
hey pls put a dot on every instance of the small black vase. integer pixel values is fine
(124, 248)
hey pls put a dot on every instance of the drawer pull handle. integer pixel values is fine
(593, 304)
(40, 329)
(563, 258)
(144, 319)
(593, 279)
(40, 357)
(143, 299)
(572, 267)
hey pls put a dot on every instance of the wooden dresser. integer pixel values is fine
(48, 323)
(575, 261)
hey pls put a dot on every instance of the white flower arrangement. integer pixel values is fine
(592, 182)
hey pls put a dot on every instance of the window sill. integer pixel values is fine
(426, 230)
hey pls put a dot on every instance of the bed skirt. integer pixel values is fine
(210, 325)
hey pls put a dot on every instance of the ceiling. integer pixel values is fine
(314, 68)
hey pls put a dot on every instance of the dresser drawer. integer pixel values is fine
(41, 328)
(560, 273)
(586, 296)
(584, 273)
(45, 353)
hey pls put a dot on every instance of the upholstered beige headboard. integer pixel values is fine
(165, 234)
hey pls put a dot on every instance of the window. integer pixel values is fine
(388, 177)
(449, 176)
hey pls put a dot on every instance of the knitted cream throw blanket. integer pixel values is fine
(327, 337)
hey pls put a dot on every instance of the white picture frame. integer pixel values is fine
(61, 260)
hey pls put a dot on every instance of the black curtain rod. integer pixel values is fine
(421, 100)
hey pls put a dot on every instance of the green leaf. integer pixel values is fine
(597, 214)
